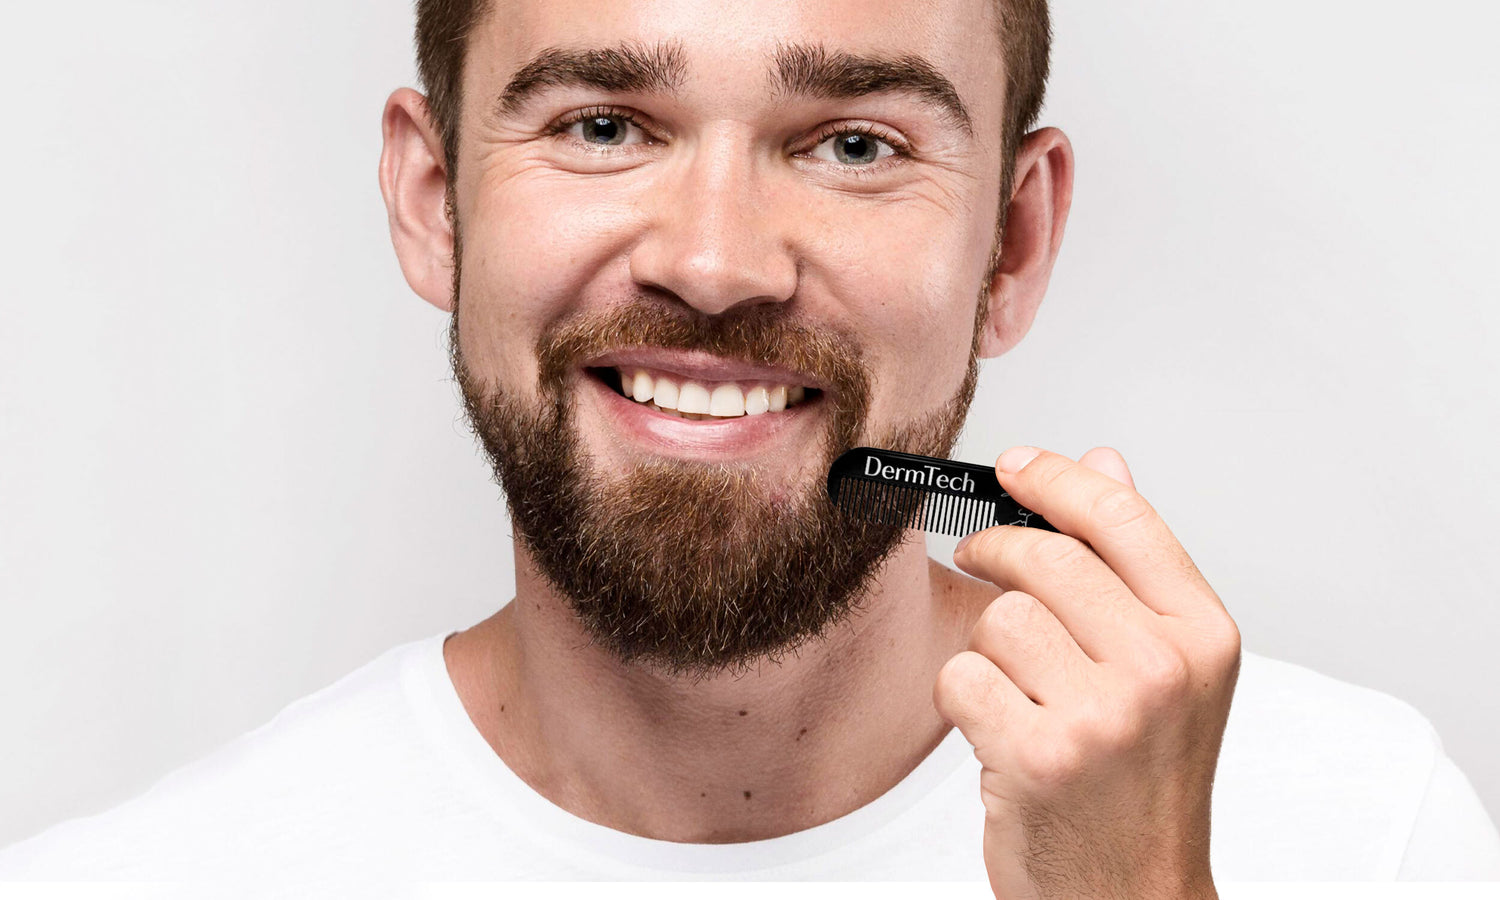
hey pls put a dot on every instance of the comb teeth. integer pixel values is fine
(933, 494)
(889, 504)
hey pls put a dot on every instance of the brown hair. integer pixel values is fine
(443, 28)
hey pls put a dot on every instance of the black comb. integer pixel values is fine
(939, 495)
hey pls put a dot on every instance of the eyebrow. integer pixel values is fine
(798, 70)
(810, 70)
(626, 68)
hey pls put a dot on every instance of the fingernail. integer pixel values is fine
(963, 540)
(1012, 460)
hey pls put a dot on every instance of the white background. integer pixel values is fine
(232, 466)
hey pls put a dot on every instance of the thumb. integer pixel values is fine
(1109, 461)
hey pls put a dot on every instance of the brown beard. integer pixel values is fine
(692, 568)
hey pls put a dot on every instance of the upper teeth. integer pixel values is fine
(708, 398)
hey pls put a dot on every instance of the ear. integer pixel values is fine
(414, 183)
(1039, 202)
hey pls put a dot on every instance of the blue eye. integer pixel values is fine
(854, 148)
(602, 128)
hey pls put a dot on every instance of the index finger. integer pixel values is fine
(1117, 522)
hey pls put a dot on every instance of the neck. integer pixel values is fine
(779, 749)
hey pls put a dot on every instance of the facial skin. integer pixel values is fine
(713, 203)
(688, 566)
(727, 205)
(724, 233)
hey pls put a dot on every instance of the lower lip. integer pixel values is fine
(672, 435)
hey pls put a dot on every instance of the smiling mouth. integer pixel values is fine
(702, 400)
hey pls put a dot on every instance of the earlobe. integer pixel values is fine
(414, 183)
(1039, 205)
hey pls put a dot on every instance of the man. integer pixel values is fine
(693, 252)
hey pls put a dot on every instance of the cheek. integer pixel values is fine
(909, 284)
(533, 249)
(919, 368)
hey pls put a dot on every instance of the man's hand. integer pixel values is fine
(1095, 690)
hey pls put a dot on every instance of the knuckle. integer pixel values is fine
(1008, 613)
(1050, 469)
(1055, 763)
(1119, 508)
(1231, 637)
(963, 684)
(1050, 553)
(994, 793)
(1215, 642)
(1162, 674)
(1224, 647)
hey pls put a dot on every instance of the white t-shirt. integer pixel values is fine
(382, 777)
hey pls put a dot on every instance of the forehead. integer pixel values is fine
(728, 49)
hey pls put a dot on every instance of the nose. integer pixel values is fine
(714, 236)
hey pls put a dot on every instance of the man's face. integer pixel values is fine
(743, 200)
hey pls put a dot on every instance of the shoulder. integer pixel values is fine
(1317, 778)
(319, 754)
(1294, 716)
(1287, 691)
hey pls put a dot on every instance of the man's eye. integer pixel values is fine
(604, 129)
(854, 148)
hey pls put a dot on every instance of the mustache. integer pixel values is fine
(764, 334)
(767, 334)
